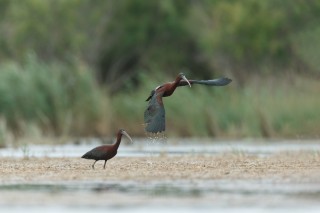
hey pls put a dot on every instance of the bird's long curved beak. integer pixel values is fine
(127, 135)
(184, 78)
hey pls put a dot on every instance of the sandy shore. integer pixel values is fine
(293, 166)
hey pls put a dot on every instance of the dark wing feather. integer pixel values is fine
(151, 94)
(96, 154)
(154, 116)
(214, 82)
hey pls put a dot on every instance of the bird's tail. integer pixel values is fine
(214, 82)
(86, 156)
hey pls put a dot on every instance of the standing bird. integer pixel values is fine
(106, 152)
(154, 115)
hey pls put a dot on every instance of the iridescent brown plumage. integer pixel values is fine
(154, 115)
(106, 152)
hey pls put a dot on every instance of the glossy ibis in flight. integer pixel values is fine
(154, 115)
(106, 152)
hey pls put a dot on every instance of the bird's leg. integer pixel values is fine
(104, 166)
(93, 164)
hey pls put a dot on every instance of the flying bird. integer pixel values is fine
(106, 152)
(154, 115)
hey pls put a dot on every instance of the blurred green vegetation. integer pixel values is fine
(84, 68)
(57, 99)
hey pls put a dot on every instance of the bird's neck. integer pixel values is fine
(176, 82)
(174, 85)
(117, 143)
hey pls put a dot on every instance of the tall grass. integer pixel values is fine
(39, 99)
(50, 99)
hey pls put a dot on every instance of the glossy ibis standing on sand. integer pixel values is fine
(106, 152)
(154, 115)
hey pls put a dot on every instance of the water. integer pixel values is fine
(186, 196)
(153, 146)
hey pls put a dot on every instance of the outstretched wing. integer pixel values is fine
(213, 82)
(154, 115)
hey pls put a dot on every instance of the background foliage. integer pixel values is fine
(82, 67)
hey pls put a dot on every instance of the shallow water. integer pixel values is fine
(142, 147)
(266, 195)
(186, 196)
